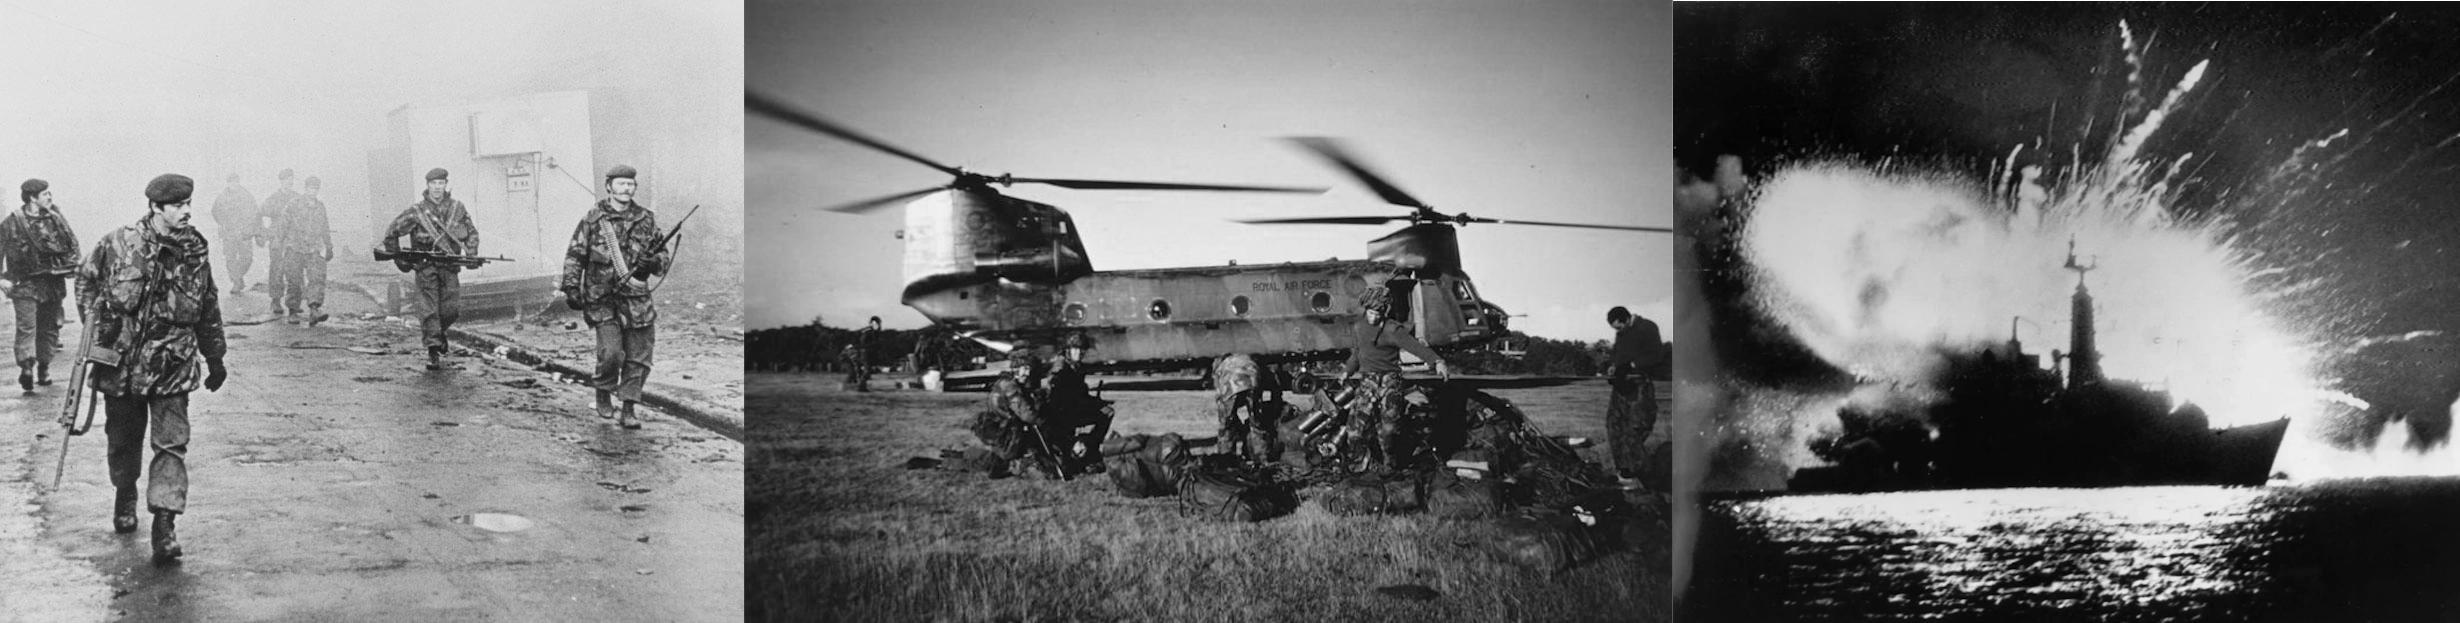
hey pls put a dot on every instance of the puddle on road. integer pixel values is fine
(496, 522)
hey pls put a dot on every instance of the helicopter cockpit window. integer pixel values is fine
(1238, 306)
(1073, 313)
(1159, 310)
(1461, 292)
(1320, 301)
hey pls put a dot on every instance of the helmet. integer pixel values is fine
(1376, 298)
(1080, 340)
(1023, 355)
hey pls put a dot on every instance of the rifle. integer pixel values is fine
(72, 421)
(642, 272)
(465, 261)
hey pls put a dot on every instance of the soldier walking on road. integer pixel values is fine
(38, 252)
(235, 215)
(613, 253)
(271, 218)
(436, 224)
(1632, 412)
(304, 239)
(149, 290)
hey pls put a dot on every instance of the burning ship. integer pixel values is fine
(2007, 421)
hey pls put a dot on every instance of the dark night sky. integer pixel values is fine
(2368, 221)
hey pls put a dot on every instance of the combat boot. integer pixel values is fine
(166, 544)
(606, 406)
(25, 379)
(627, 420)
(124, 510)
(42, 372)
(317, 315)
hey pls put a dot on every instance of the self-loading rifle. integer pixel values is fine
(664, 242)
(464, 261)
(77, 413)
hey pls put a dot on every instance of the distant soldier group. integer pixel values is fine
(153, 310)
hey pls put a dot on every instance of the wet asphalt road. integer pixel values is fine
(333, 485)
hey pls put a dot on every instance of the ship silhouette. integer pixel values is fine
(2007, 421)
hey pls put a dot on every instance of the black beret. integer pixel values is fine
(169, 188)
(285, 174)
(436, 174)
(623, 171)
(31, 188)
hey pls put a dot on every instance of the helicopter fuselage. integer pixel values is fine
(1007, 271)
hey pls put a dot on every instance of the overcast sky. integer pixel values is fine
(1553, 111)
(102, 96)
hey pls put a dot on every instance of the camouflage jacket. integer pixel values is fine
(1016, 399)
(1066, 381)
(302, 227)
(152, 298)
(1637, 348)
(1375, 348)
(32, 247)
(591, 277)
(459, 236)
(270, 213)
(235, 213)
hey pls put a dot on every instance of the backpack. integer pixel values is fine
(1548, 541)
(1218, 488)
(1450, 496)
(1143, 466)
(1371, 495)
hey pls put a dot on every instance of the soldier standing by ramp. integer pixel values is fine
(39, 252)
(1376, 343)
(269, 228)
(858, 356)
(614, 251)
(304, 239)
(148, 289)
(437, 224)
(235, 213)
(1632, 412)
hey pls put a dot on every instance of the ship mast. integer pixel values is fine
(2086, 366)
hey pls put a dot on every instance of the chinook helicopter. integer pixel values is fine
(1008, 272)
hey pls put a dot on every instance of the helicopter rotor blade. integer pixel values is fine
(1331, 151)
(1474, 219)
(790, 115)
(868, 205)
(1329, 220)
(1119, 185)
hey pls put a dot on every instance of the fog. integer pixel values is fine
(102, 96)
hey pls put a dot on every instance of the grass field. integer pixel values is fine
(838, 531)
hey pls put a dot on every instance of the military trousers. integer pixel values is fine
(277, 276)
(237, 257)
(623, 359)
(1631, 413)
(299, 283)
(38, 330)
(126, 422)
(439, 304)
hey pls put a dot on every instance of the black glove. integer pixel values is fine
(215, 374)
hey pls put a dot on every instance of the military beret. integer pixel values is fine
(436, 174)
(286, 174)
(312, 181)
(623, 171)
(169, 188)
(31, 188)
